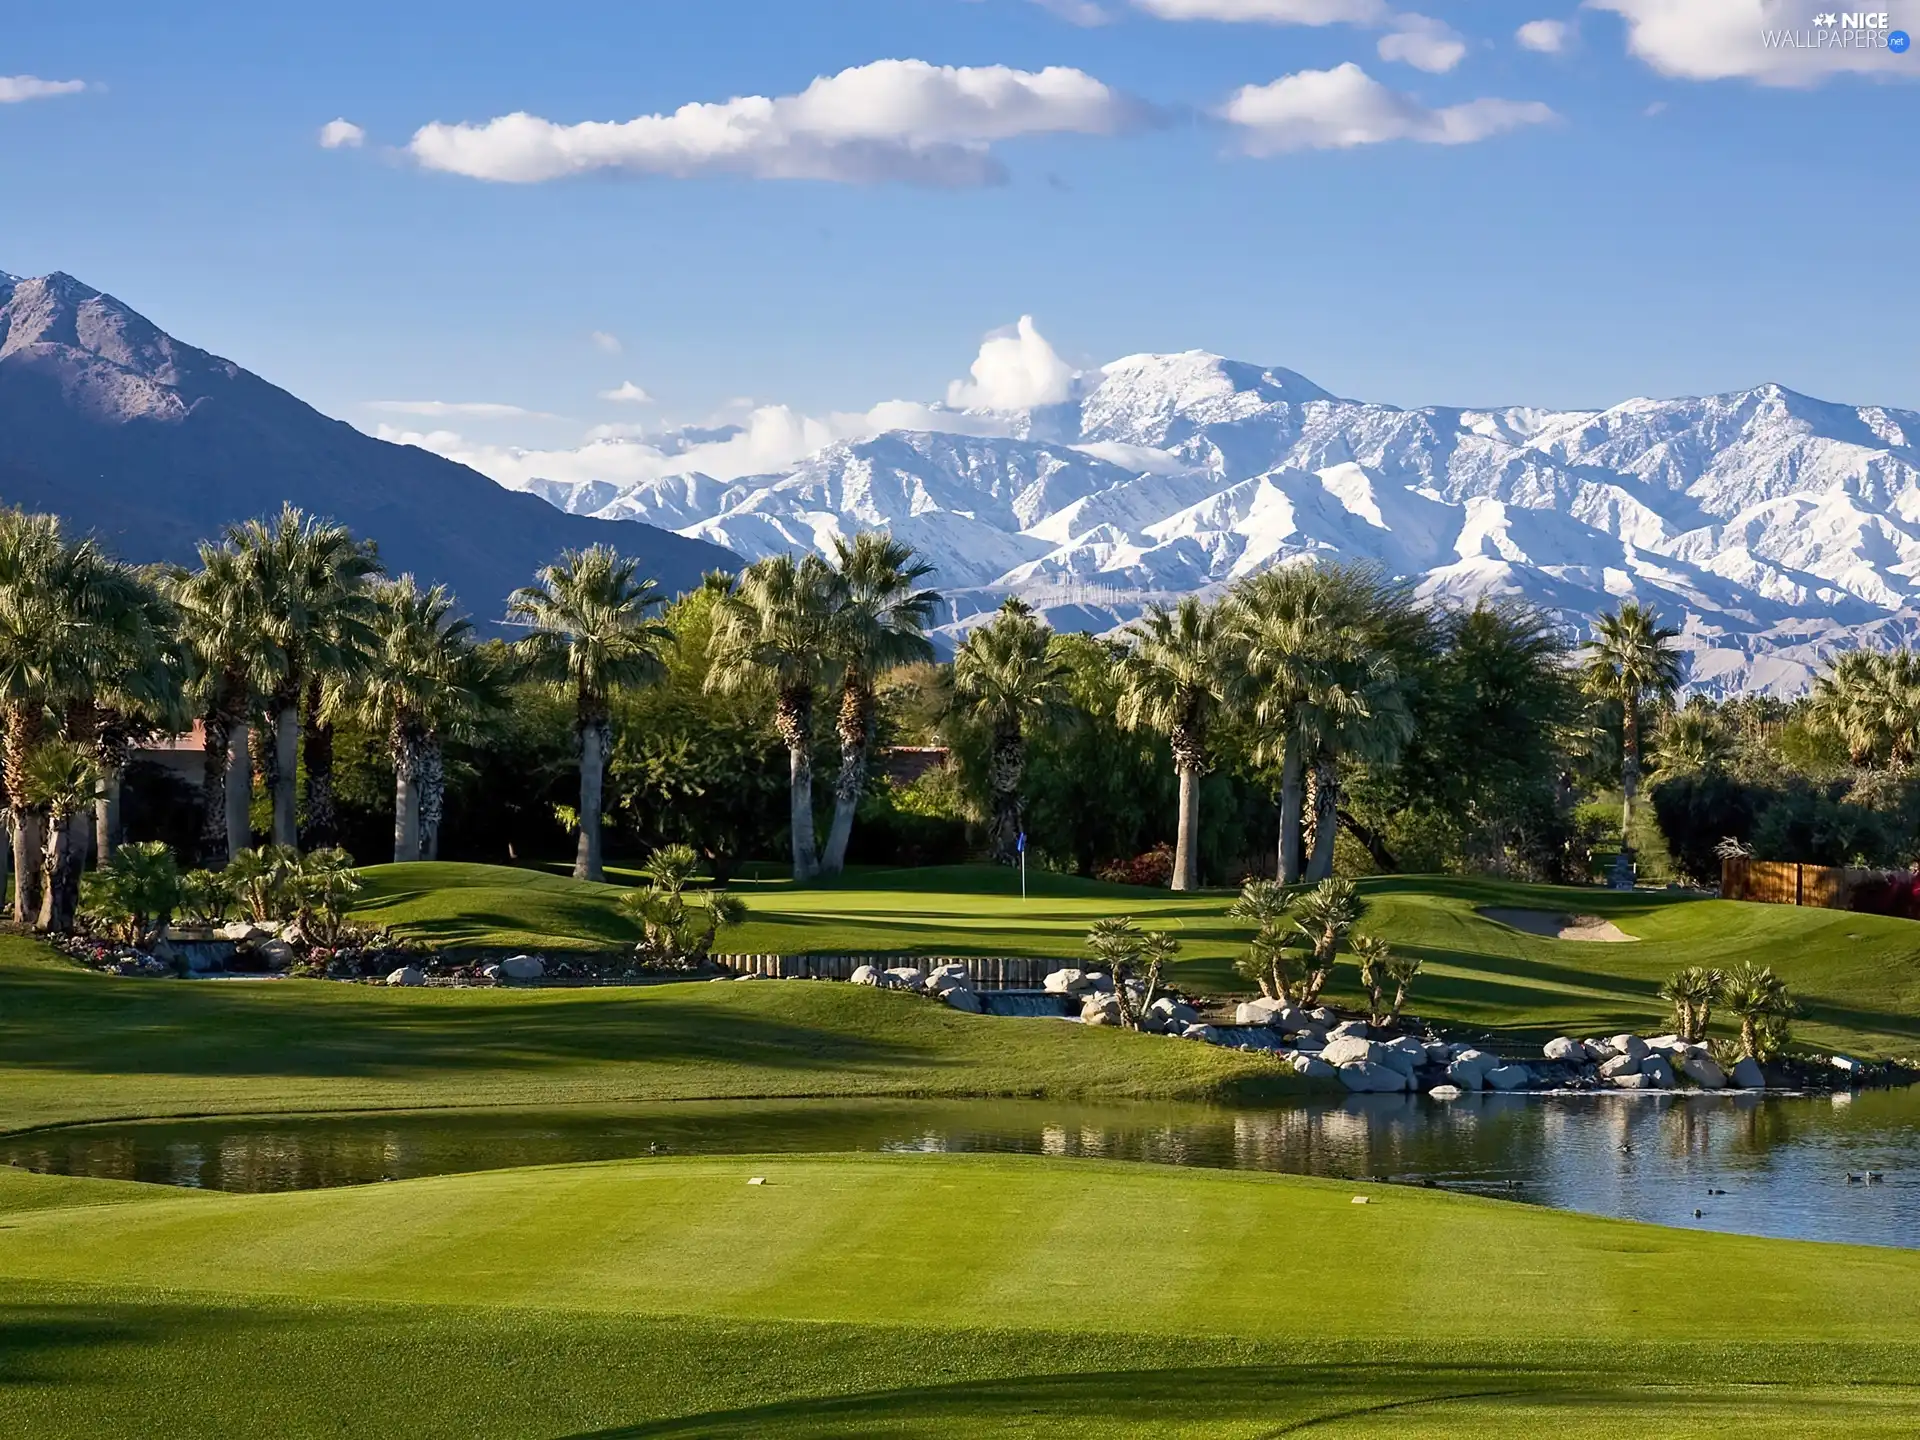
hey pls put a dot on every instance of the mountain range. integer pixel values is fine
(1772, 528)
(152, 444)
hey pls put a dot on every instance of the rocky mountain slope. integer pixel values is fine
(152, 444)
(1776, 528)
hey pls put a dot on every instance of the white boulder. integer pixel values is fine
(864, 975)
(1363, 1078)
(1565, 1051)
(1659, 1072)
(1349, 1030)
(962, 997)
(1446, 1092)
(1324, 1017)
(407, 975)
(523, 967)
(1621, 1065)
(1259, 1012)
(1632, 1046)
(1469, 1069)
(1633, 1080)
(1747, 1073)
(908, 977)
(1598, 1051)
(1100, 1010)
(1405, 1053)
(1352, 1050)
(1509, 1077)
(1701, 1068)
(1063, 982)
(1853, 1069)
(1438, 1052)
(1313, 1067)
(492, 972)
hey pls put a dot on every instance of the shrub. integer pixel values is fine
(1153, 869)
(1764, 1006)
(676, 933)
(1135, 958)
(1692, 992)
(319, 886)
(204, 897)
(139, 889)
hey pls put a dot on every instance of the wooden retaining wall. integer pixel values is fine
(1782, 882)
(993, 972)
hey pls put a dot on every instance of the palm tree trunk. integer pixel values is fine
(1326, 819)
(1005, 769)
(316, 747)
(433, 795)
(23, 733)
(1629, 768)
(406, 795)
(856, 740)
(286, 776)
(111, 746)
(1186, 848)
(1189, 762)
(1292, 795)
(216, 759)
(793, 718)
(239, 802)
(587, 864)
(61, 878)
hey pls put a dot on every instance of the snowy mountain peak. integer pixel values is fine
(1774, 527)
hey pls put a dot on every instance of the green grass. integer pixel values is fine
(921, 1297)
(1858, 976)
(77, 1045)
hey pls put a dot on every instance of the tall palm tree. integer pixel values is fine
(223, 626)
(312, 577)
(1755, 996)
(38, 629)
(776, 628)
(1320, 681)
(591, 634)
(58, 778)
(1005, 675)
(411, 690)
(1689, 741)
(1631, 661)
(1179, 671)
(1871, 701)
(136, 688)
(475, 688)
(879, 624)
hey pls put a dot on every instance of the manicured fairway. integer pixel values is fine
(1858, 976)
(923, 1296)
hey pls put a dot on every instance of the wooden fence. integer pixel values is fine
(993, 972)
(1779, 882)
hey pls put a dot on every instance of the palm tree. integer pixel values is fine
(776, 628)
(311, 576)
(1631, 661)
(58, 779)
(1124, 949)
(1381, 966)
(37, 628)
(1871, 702)
(1692, 992)
(222, 620)
(1325, 915)
(1180, 670)
(1005, 675)
(475, 688)
(591, 635)
(1314, 677)
(879, 624)
(136, 689)
(1269, 961)
(418, 682)
(1761, 1001)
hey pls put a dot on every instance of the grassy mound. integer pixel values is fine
(77, 1045)
(1858, 976)
(924, 1296)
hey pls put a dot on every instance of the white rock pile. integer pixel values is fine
(1628, 1062)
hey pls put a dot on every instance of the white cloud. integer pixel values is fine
(1343, 107)
(341, 135)
(15, 88)
(890, 120)
(479, 409)
(1014, 370)
(605, 343)
(1725, 40)
(1273, 12)
(1548, 37)
(1424, 43)
(627, 393)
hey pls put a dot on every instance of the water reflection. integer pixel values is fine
(1782, 1162)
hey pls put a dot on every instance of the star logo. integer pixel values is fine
(1826, 20)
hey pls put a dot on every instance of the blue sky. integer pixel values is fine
(1661, 207)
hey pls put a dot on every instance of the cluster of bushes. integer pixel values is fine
(142, 891)
(1754, 995)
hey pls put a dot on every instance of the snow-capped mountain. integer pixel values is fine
(1776, 528)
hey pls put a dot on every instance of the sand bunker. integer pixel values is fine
(1560, 927)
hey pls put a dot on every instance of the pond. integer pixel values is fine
(1775, 1165)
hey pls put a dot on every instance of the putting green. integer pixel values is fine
(920, 1296)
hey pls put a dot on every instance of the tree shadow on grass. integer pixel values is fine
(1145, 1402)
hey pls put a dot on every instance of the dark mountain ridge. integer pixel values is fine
(152, 445)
